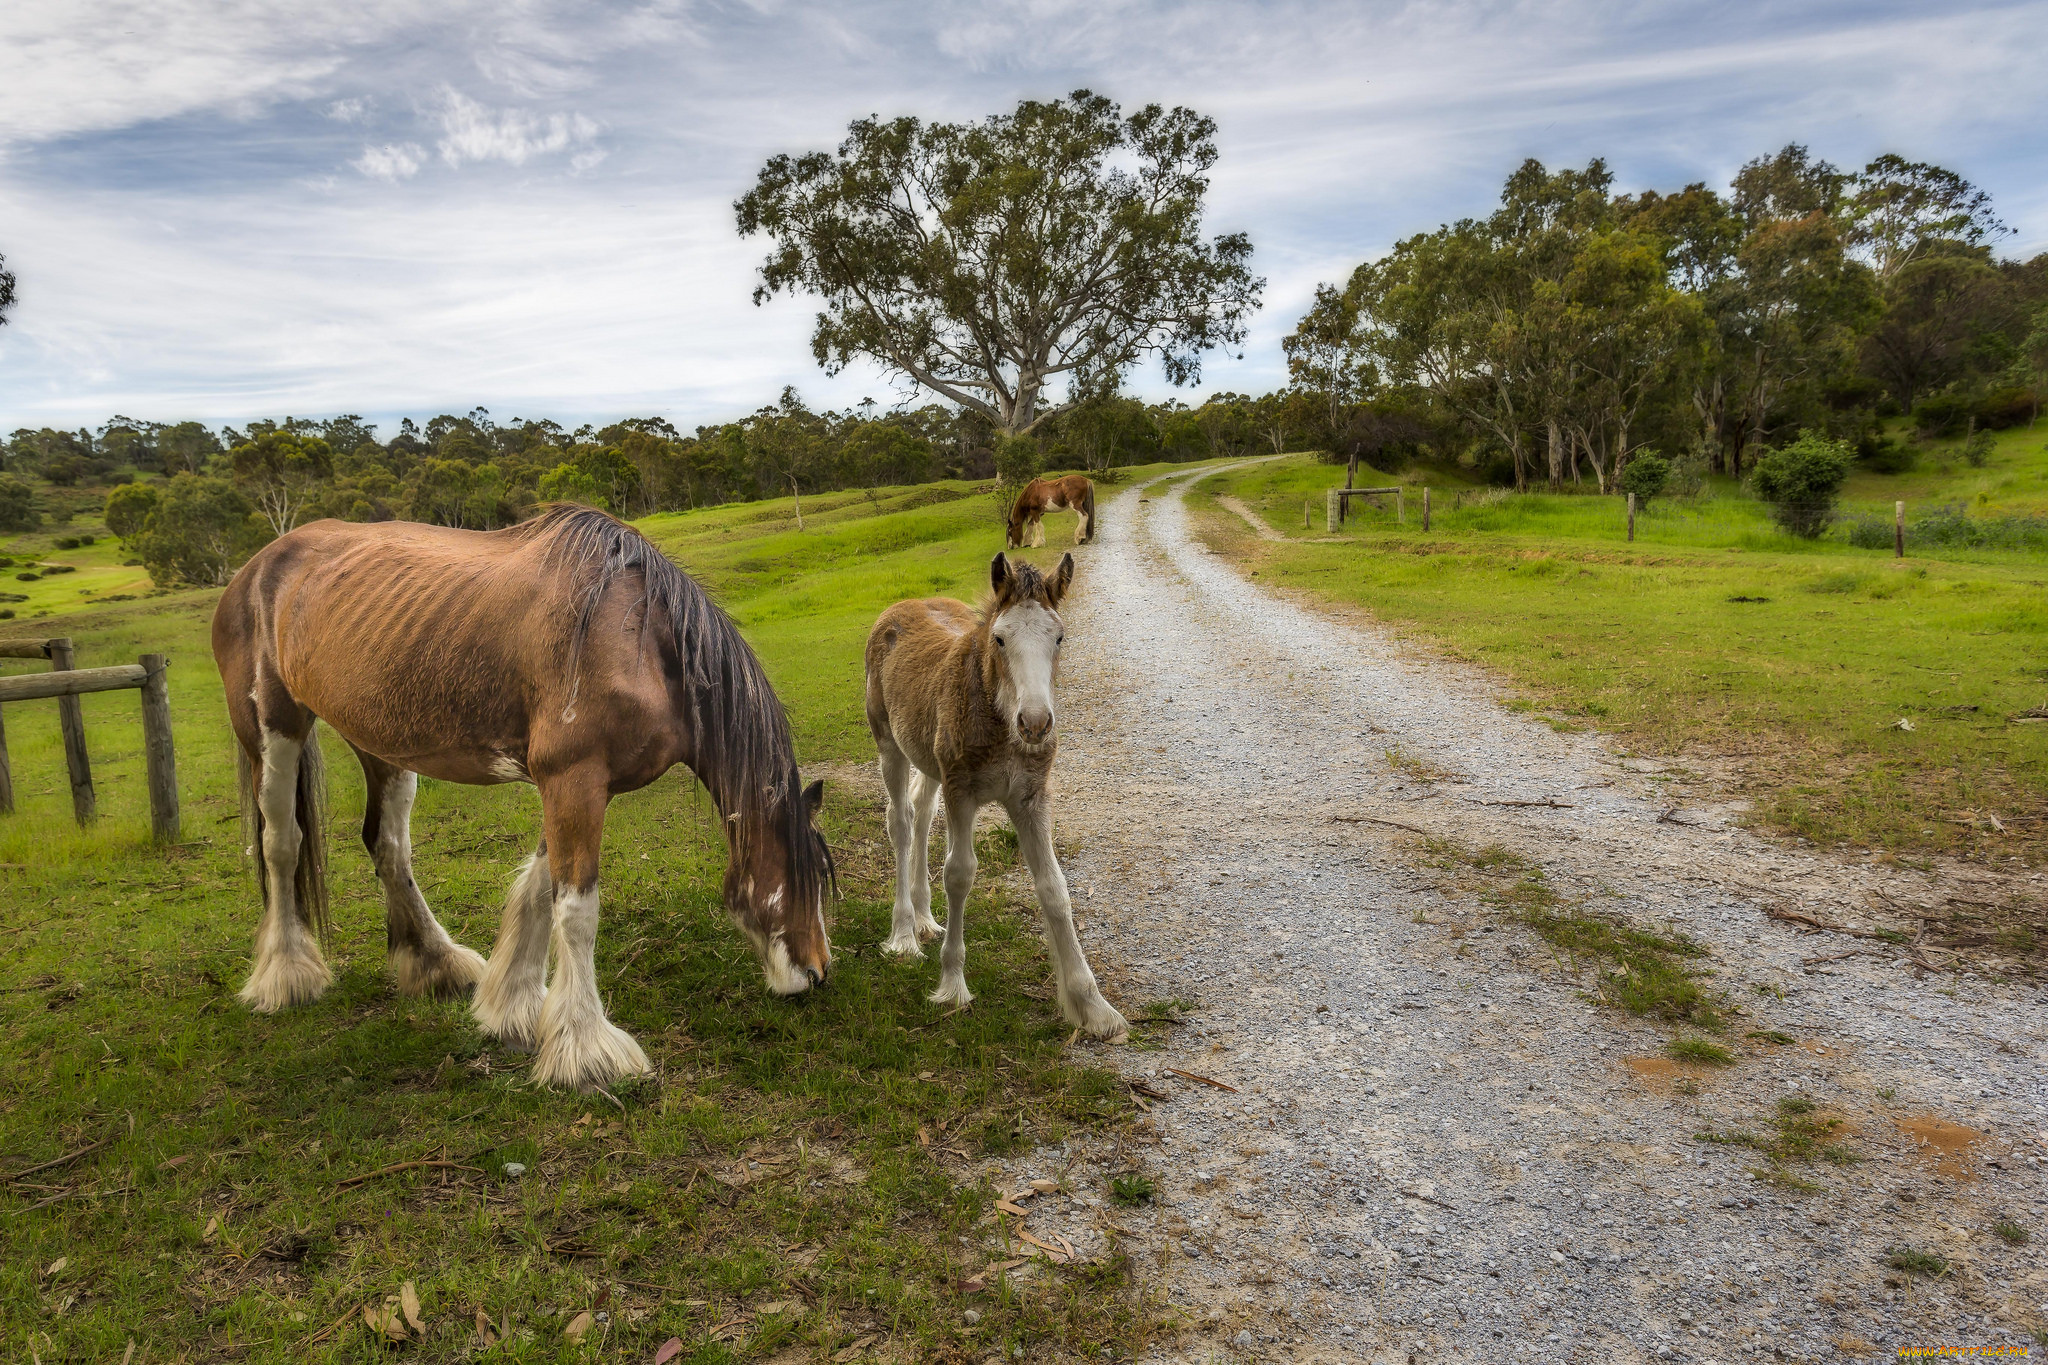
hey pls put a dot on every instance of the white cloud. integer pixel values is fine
(393, 161)
(586, 264)
(472, 132)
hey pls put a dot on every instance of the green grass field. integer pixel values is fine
(1717, 635)
(215, 1206)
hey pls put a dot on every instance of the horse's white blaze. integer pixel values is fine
(1030, 636)
(784, 977)
(514, 986)
(578, 1045)
(288, 967)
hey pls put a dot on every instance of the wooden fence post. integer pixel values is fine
(1631, 516)
(6, 773)
(1400, 508)
(71, 718)
(1333, 514)
(1898, 530)
(1425, 509)
(1304, 514)
(158, 753)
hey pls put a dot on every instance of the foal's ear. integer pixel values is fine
(999, 572)
(1062, 578)
(814, 796)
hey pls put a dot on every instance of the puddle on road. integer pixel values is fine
(1947, 1143)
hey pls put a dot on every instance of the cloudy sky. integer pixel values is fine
(224, 209)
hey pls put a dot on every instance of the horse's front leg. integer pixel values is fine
(959, 881)
(578, 1046)
(1038, 530)
(422, 958)
(1080, 998)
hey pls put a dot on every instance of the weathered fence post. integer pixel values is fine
(1898, 530)
(1631, 516)
(1425, 509)
(1333, 516)
(157, 751)
(1400, 508)
(6, 773)
(71, 719)
(1304, 514)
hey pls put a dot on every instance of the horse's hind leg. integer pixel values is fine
(288, 969)
(959, 881)
(422, 959)
(1080, 998)
(924, 798)
(908, 805)
(514, 986)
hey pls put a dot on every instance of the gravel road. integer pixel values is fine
(1438, 1146)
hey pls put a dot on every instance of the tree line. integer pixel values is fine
(194, 501)
(1574, 328)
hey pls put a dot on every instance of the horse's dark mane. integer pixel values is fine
(743, 750)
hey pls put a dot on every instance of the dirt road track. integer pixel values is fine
(1439, 1148)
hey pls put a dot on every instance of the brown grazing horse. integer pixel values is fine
(566, 652)
(1027, 515)
(961, 704)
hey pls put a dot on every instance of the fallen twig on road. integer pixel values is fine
(1375, 820)
(1191, 1076)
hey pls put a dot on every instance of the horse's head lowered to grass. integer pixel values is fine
(775, 887)
(1025, 631)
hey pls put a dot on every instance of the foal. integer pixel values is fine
(961, 703)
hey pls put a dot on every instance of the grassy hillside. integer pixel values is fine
(1716, 635)
(215, 1206)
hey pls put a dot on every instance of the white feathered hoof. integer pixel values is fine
(448, 974)
(284, 980)
(904, 944)
(507, 1012)
(952, 991)
(593, 1053)
(1097, 1018)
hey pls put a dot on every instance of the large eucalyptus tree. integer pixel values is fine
(1014, 265)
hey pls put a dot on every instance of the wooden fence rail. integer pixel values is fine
(67, 683)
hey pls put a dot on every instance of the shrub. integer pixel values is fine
(1883, 455)
(1646, 475)
(2002, 408)
(200, 532)
(1942, 415)
(1801, 482)
(1018, 461)
(1977, 450)
(17, 505)
(128, 508)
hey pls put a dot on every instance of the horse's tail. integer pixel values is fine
(309, 882)
(1088, 505)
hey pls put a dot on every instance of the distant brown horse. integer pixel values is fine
(961, 703)
(566, 652)
(1027, 515)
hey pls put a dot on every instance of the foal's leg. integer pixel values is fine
(422, 958)
(924, 797)
(288, 969)
(913, 873)
(959, 881)
(508, 999)
(578, 1045)
(1080, 998)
